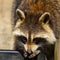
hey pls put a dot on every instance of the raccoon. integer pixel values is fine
(35, 28)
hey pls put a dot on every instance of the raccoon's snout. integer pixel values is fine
(29, 52)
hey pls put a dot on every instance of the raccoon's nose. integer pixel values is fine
(29, 51)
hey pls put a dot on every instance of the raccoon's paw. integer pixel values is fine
(25, 54)
(34, 54)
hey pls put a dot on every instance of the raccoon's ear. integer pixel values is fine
(20, 14)
(45, 18)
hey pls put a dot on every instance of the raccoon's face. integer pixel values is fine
(31, 35)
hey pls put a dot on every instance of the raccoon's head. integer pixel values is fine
(32, 33)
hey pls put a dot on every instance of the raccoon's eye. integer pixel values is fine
(22, 39)
(39, 40)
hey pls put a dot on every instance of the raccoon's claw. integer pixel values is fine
(34, 54)
(25, 54)
(31, 55)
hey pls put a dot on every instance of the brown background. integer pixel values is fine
(6, 41)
